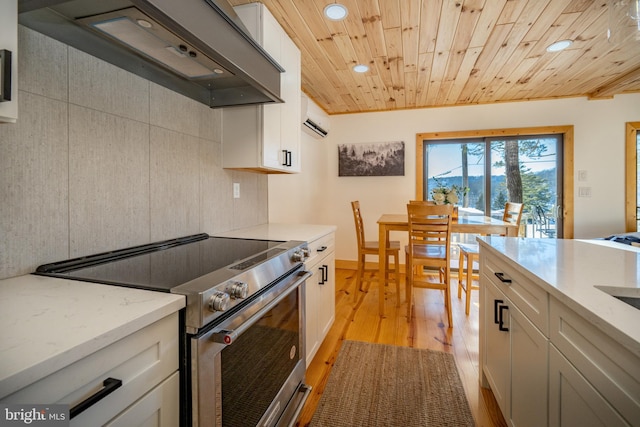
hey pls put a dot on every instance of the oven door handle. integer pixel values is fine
(227, 337)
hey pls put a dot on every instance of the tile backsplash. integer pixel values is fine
(102, 159)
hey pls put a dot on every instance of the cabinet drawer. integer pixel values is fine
(319, 248)
(158, 408)
(141, 361)
(609, 367)
(531, 299)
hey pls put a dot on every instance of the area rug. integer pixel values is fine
(385, 385)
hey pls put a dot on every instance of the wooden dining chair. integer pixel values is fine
(429, 246)
(469, 255)
(370, 247)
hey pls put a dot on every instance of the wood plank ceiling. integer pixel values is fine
(432, 53)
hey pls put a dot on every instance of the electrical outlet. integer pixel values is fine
(582, 175)
(236, 190)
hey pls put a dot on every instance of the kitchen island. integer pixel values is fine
(556, 347)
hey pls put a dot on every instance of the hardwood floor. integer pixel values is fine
(358, 319)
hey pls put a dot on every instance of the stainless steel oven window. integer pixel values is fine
(256, 366)
(246, 369)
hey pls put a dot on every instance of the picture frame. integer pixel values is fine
(371, 159)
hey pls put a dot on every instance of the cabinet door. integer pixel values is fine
(326, 305)
(320, 307)
(272, 36)
(573, 401)
(290, 92)
(529, 367)
(158, 408)
(312, 290)
(497, 355)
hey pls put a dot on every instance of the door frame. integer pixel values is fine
(631, 176)
(567, 159)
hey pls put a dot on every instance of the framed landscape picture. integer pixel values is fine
(371, 159)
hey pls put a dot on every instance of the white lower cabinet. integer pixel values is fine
(573, 401)
(319, 293)
(515, 363)
(514, 343)
(549, 366)
(146, 363)
(593, 379)
(158, 408)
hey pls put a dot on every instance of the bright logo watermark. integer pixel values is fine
(34, 415)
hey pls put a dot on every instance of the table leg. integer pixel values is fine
(383, 241)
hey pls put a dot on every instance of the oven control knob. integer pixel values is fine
(305, 252)
(297, 256)
(238, 290)
(219, 301)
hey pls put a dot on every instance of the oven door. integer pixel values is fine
(249, 369)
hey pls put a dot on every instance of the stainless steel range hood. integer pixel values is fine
(198, 48)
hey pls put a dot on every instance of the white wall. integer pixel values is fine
(598, 148)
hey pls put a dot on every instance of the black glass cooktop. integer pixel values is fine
(163, 265)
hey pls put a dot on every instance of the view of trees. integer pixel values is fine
(518, 184)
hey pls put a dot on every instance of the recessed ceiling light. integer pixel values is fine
(360, 68)
(559, 45)
(144, 23)
(335, 12)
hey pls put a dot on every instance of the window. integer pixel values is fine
(533, 166)
(632, 142)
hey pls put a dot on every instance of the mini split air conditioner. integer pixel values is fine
(315, 121)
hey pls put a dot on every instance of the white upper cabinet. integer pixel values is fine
(9, 43)
(266, 138)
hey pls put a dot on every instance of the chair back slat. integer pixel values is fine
(359, 223)
(429, 230)
(513, 213)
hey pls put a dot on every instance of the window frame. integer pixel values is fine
(631, 176)
(567, 160)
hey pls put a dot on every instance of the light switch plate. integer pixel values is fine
(236, 190)
(584, 191)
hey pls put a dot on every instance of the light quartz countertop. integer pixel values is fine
(571, 270)
(48, 323)
(274, 231)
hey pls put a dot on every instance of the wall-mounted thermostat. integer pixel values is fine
(5, 75)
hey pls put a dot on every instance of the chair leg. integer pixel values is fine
(460, 273)
(359, 274)
(469, 283)
(409, 287)
(396, 277)
(447, 302)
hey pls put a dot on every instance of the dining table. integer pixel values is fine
(464, 223)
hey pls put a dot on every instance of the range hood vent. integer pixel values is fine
(198, 48)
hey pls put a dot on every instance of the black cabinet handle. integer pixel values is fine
(287, 158)
(496, 303)
(108, 386)
(501, 324)
(324, 274)
(321, 249)
(502, 278)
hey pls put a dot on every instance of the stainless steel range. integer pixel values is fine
(242, 340)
